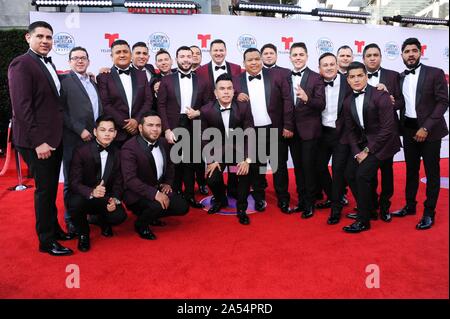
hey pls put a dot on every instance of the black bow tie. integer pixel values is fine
(413, 70)
(101, 148)
(372, 74)
(127, 71)
(152, 146)
(297, 73)
(185, 75)
(46, 59)
(251, 77)
(356, 94)
(223, 67)
(225, 109)
(330, 83)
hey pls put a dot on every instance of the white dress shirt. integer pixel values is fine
(226, 117)
(409, 90)
(359, 101)
(103, 158)
(128, 87)
(91, 91)
(296, 80)
(330, 114)
(159, 159)
(374, 80)
(186, 90)
(52, 72)
(258, 103)
(220, 71)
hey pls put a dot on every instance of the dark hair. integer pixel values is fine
(39, 24)
(182, 48)
(139, 45)
(104, 118)
(251, 50)
(78, 49)
(343, 48)
(217, 41)
(223, 77)
(268, 46)
(195, 46)
(371, 46)
(324, 55)
(119, 42)
(356, 65)
(161, 51)
(298, 45)
(147, 114)
(412, 41)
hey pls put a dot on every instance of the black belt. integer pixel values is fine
(328, 128)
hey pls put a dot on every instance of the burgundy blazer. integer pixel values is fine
(169, 99)
(37, 111)
(278, 98)
(139, 169)
(431, 101)
(308, 117)
(114, 99)
(380, 133)
(85, 171)
(240, 117)
(205, 75)
(391, 79)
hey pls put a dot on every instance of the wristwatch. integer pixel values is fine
(366, 149)
(248, 160)
(425, 129)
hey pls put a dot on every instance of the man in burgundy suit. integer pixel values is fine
(96, 183)
(371, 131)
(180, 97)
(272, 108)
(423, 126)
(37, 124)
(227, 116)
(125, 92)
(148, 175)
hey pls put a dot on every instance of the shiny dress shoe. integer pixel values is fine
(344, 200)
(215, 208)
(385, 216)
(299, 208)
(335, 216)
(71, 230)
(373, 216)
(62, 235)
(260, 205)
(203, 189)
(308, 212)
(194, 204)
(243, 218)
(145, 233)
(107, 231)
(55, 249)
(425, 223)
(84, 243)
(157, 223)
(284, 207)
(356, 227)
(323, 205)
(404, 211)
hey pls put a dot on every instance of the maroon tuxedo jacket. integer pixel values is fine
(240, 117)
(380, 133)
(205, 75)
(344, 91)
(85, 171)
(278, 98)
(37, 111)
(114, 99)
(139, 169)
(391, 79)
(308, 117)
(169, 99)
(431, 101)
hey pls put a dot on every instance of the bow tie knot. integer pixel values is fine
(330, 83)
(225, 109)
(183, 75)
(411, 71)
(47, 59)
(297, 73)
(101, 148)
(152, 146)
(375, 74)
(127, 71)
(356, 94)
(252, 77)
(223, 67)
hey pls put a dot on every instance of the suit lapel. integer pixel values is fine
(244, 86)
(45, 70)
(420, 83)
(119, 85)
(176, 87)
(267, 86)
(382, 75)
(355, 113)
(100, 106)
(144, 146)
(134, 86)
(109, 165)
(164, 155)
(366, 101)
(97, 162)
(194, 91)
(304, 80)
(83, 89)
(211, 74)
(342, 92)
(233, 119)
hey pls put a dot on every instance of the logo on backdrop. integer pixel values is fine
(245, 42)
(158, 41)
(111, 37)
(446, 53)
(63, 43)
(391, 50)
(424, 48)
(324, 45)
(359, 47)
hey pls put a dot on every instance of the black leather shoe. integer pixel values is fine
(356, 227)
(425, 223)
(404, 211)
(55, 249)
(71, 230)
(299, 208)
(344, 200)
(323, 205)
(243, 218)
(385, 216)
(62, 235)
(260, 205)
(194, 204)
(107, 231)
(217, 206)
(308, 212)
(146, 233)
(373, 216)
(284, 207)
(203, 189)
(157, 223)
(84, 243)
(335, 217)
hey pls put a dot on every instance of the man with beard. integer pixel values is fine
(423, 126)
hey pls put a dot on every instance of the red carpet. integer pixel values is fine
(203, 256)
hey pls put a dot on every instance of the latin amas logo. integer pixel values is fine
(391, 50)
(324, 45)
(245, 42)
(63, 42)
(158, 41)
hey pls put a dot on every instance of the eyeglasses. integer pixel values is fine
(79, 58)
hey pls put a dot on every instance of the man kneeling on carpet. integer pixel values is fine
(96, 183)
(148, 176)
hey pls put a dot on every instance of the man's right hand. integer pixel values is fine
(86, 136)
(44, 151)
(104, 70)
(210, 168)
(242, 97)
(163, 199)
(170, 137)
(99, 191)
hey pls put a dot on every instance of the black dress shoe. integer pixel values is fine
(62, 235)
(260, 205)
(203, 189)
(217, 206)
(344, 200)
(373, 216)
(55, 249)
(107, 231)
(194, 204)
(71, 230)
(308, 212)
(299, 208)
(335, 216)
(425, 223)
(243, 218)
(84, 243)
(385, 216)
(404, 211)
(323, 205)
(145, 233)
(284, 207)
(157, 223)
(356, 227)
